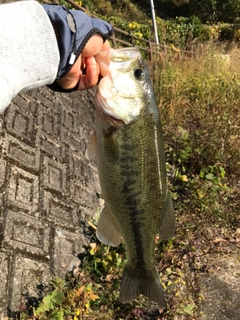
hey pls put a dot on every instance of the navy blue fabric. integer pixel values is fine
(73, 29)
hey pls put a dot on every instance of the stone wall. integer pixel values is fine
(47, 190)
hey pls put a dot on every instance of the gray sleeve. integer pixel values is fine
(29, 55)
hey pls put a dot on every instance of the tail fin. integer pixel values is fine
(132, 286)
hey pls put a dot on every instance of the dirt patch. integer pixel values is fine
(221, 288)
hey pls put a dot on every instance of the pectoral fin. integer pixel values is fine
(92, 147)
(167, 226)
(107, 231)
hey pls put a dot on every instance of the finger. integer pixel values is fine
(106, 45)
(93, 46)
(90, 79)
(71, 79)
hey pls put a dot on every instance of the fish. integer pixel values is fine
(129, 149)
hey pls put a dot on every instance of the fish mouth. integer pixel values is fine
(106, 111)
(123, 54)
(105, 57)
(112, 100)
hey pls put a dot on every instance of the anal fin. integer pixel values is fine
(107, 231)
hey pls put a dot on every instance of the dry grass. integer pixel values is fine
(202, 96)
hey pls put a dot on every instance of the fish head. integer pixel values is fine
(123, 92)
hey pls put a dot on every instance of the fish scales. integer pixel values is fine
(140, 190)
(132, 175)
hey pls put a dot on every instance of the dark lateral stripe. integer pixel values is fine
(136, 227)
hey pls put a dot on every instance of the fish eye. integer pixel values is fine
(138, 74)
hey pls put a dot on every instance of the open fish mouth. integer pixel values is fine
(119, 94)
(105, 57)
(108, 111)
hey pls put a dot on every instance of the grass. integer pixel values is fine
(199, 106)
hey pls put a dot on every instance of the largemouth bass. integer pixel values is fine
(131, 165)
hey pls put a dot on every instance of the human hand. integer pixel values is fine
(86, 71)
(80, 38)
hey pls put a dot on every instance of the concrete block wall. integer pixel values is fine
(47, 190)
